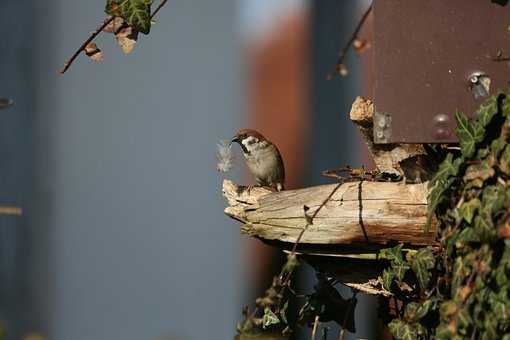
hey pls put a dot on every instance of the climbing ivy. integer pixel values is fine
(461, 289)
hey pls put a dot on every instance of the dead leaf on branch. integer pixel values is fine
(127, 38)
(114, 26)
(93, 52)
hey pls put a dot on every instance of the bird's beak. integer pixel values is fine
(235, 139)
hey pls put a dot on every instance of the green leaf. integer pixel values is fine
(468, 210)
(440, 184)
(495, 198)
(422, 262)
(387, 278)
(269, 318)
(504, 161)
(449, 167)
(402, 330)
(447, 309)
(392, 254)
(505, 105)
(467, 235)
(400, 270)
(415, 311)
(478, 171)
(469, 133)
(484, 226)
(487, 111)
(137, 13)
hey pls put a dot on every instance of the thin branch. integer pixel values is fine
(163, 3)
(315, 327)
(85, 43)
(343, 53)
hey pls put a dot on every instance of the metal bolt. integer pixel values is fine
(479, 84)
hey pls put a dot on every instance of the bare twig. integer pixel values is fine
(163, 3)
(94, 34)
(315, 327)
(341, 57)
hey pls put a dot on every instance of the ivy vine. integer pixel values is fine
(461, 289)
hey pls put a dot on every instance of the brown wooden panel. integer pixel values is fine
(424, 54)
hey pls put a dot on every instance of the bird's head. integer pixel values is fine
(249, 140)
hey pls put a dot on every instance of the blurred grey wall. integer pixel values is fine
(128, 238)
(16, 161)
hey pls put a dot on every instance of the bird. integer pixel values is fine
(262, 158)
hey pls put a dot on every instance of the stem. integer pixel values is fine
(163, 3)
(343, 53)
(85, 43)
(315, 326)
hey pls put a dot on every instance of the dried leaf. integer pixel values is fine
(115, 25)
(127, 37)
(93, 52)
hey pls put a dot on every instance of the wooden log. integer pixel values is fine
(409, 161)
(364, 214)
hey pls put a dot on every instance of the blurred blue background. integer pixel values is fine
(123, 234)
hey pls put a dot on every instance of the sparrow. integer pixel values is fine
(262, 158)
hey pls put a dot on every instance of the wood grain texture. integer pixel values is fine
(390, 213)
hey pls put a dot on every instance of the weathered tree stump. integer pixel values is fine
(359, 214)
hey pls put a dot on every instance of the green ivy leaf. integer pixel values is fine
(269, 318)
(137, 13)
(402, 330)
(478, 171)
(393, 254)
(487, 111)
(505, 105)
(469, 133)
(468, 210)
(422, 262)
(504, 162)
(449, 167)
(414, 311)
(484, 226)
(495, 198)
(467, 234)
(464, 320)
(400, 270)
(387, 277)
